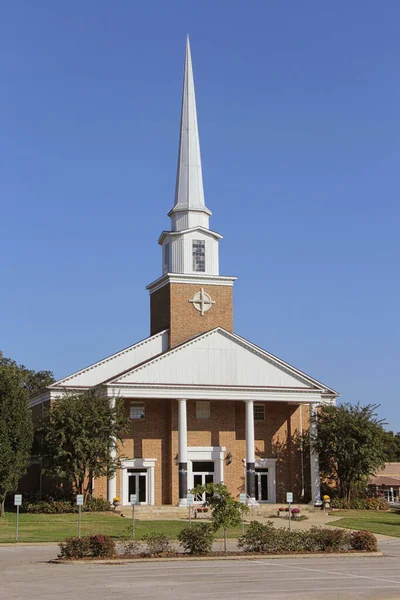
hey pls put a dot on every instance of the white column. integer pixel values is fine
(314, 458)
(250, 450)
(112, 481)
(182, 452)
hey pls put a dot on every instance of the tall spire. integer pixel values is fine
(189, 193)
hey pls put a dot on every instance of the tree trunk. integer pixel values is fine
(224, 539)
(2, 507)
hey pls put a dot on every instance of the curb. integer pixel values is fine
(119, 561)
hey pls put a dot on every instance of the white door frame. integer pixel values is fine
(270, 464)
(138, 463)
(201, 453)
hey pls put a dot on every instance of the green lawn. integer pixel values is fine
(55, 528)
(386, 523)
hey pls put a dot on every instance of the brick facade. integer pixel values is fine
(170, 309)
(156, 436)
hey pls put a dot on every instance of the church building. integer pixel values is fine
(204, 404)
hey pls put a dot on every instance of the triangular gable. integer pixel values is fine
(116, 363)
(219, 358)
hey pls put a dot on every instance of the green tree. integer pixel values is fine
(78, 432)
(16, 431)
(350, 442)
(392, 446)
(226, 511)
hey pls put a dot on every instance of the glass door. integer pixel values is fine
(137, 484)
(203, 473)
(262, 485)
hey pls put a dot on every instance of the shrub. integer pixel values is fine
(157, 543)
(266, 539)
(93, 546)
(97, 505)
(131, 547)
(74, 547)
(197, 539)
(363, 541)
(372, 503)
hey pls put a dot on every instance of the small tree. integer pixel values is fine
(226, 511)
(351, 444)
(78, 432)
(16, 431)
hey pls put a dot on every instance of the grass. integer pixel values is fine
(55, 528)
(385, 523)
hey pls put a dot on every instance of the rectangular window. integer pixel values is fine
(199, 255)
(259, 413)
(166, 261)
(136, 410)
(202, 409)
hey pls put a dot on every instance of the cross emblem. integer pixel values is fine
(202, 301)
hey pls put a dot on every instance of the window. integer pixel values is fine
(137, 410)
(166, 261)
(259, 414)
(202, 410)
(199, 255)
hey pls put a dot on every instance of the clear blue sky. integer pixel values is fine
(298, 108)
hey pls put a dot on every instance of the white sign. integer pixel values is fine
(133, 499)
(243, 499)
(17, 499)
(190, 499)
(79, 499)
(289, 497)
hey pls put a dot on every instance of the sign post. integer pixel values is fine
(190, 500)
(17, 503)
(79, 502)
(133, 501)
(289, 500)
(243, 501)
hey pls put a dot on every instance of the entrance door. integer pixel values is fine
(203, 473)
(262, 485)
(137, 484)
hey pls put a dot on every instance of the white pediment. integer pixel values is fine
(219, 358)
(116, 363)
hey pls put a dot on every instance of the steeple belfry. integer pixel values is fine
(191, 296)
(189, 192)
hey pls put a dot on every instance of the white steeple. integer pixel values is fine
(189, 192)
(190, 247)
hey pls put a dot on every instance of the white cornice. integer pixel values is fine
(196, 279)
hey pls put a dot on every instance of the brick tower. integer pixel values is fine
(190, 297)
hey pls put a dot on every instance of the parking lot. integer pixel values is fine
(25, 573)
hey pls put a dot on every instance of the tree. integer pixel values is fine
(350, 442)
(226, 511)
(392, 446)
(16, 431)
(78, 431)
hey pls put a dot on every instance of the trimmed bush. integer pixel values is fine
(92, 546)
(197, 539)
(360, 504)
(55, 507)
(268, 540)
(363, 541)
(157, 543)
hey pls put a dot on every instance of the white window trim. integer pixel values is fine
(138, 463)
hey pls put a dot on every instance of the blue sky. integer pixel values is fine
(298, 106)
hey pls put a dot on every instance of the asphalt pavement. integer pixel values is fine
(25, 573)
